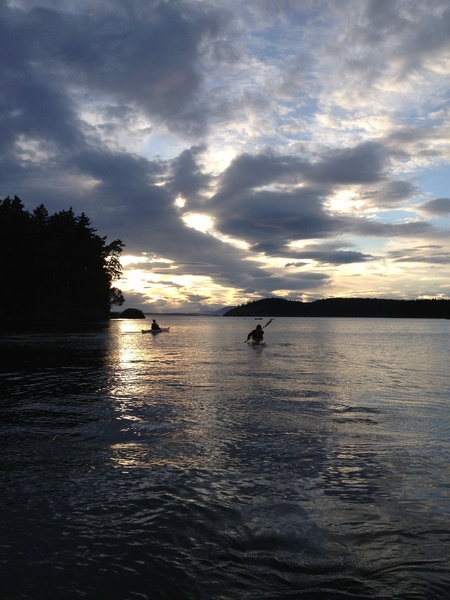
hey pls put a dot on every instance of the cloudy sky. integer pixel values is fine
(294, 148)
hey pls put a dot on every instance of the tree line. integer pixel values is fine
(343, 307)
(55, 267)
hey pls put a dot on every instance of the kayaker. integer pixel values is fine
(155, 326)
(257, 334)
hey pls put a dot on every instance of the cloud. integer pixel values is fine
(249, 206)
(433, 254)
(187, 177)
(337, 257)
(363, 163)
(389, 194)
(301, 130)
(439, 207)
(143, 53)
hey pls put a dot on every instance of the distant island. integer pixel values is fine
(344, 307)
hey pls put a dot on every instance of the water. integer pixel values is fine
(189, 465)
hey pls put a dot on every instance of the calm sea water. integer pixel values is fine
(189, 465)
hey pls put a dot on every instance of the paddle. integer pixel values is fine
(268, 323)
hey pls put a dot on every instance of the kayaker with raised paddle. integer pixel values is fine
(257, 334)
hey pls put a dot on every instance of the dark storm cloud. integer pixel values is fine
(152, 222)
(36, 108)
(187, 177)
(249, 205)
(250, 171)
(116, 169)
(338, 257)
(362, 164)
(326, 253)
(144, 53)
(270, 216)
(439, 207)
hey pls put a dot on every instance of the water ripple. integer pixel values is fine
(192, 467)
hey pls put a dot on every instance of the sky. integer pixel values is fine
(240, 150)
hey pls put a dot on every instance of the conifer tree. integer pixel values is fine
(55, 266)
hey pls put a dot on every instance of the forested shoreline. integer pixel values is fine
(344, 307)
(55, 268)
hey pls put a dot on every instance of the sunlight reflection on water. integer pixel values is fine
(143, 465)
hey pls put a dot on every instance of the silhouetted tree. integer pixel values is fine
(116, 297)
(55, 266)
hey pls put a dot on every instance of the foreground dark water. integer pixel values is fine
(191, 466)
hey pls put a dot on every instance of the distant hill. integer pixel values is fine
(344, 307)
(220, 312)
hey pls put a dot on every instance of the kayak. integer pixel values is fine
(155, 331)
(256, 342)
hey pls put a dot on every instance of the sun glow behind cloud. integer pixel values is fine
(200, 222)
(270, 134)
(345, 202)
(206, 224)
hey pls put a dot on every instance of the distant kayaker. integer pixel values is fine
(257, 334)
(155, 326)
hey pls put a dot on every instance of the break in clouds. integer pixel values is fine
(254, 149)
